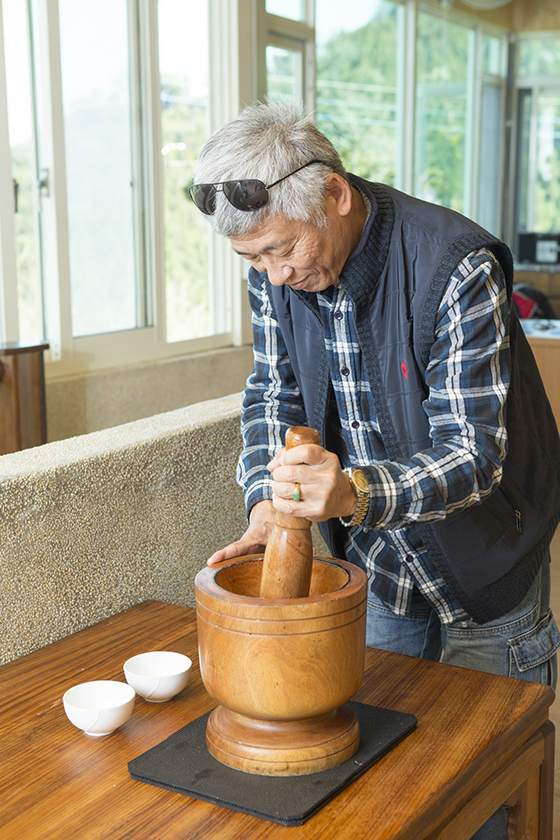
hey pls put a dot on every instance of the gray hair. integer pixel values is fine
(267, 142)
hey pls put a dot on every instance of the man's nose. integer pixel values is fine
(278, 272)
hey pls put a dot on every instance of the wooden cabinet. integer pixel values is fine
(23, 420)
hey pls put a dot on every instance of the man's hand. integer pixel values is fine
(325, 491)
(254, 539)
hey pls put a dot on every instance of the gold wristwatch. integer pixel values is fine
(360, 486)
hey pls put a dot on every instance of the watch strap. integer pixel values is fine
(362, 503)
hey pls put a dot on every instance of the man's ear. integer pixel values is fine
(339, 194)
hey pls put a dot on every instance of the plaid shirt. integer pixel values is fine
(467, 376)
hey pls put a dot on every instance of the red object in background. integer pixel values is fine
(525, 305)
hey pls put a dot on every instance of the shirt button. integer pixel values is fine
(345, 371)
(339, 316)
(409, 558)
(355, 424)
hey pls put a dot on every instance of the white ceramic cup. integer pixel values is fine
(99, 707)
(158, 675)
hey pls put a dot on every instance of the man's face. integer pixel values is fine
(297, 253)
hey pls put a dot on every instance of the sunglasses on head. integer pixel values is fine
(244, 194)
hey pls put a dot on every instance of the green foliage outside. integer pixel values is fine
(539, 57)
(183, 123)
(357, 102)
(356, 96)
(441, 111)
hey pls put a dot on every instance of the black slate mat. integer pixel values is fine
(183, 764)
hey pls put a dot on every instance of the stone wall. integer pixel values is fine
(91, 525)
(89, 402)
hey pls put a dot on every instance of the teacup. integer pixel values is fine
(99, 707)
(158, 675)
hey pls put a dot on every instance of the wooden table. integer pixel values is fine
(479, 739)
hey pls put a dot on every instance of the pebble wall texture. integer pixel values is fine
(92, 525)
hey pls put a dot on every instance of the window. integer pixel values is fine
(293, 9)
(441, 111)
(100, 178)
(546, 206)
(426, 115)
(492, 55)
(539, 56)
(490, 158)
(538, 150)
(107, 112)
(184, 117)
(539, 160)
(21, 127)
(284, 71)
(289, 52)
(357, 97)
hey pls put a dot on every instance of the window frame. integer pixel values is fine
(8, 290)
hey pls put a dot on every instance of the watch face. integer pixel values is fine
(359, 479)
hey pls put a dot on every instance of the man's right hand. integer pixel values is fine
(254, 539)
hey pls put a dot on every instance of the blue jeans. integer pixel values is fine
(521, 644)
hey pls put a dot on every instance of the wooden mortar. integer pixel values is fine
(282, 669)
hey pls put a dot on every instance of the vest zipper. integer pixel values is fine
(516, 511)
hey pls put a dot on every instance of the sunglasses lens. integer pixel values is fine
(204, 196)
(246, 195)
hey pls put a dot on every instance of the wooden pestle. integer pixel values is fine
(288, 558)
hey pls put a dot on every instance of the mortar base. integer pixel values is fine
(282, 748)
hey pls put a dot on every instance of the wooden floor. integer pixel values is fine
(555, 710)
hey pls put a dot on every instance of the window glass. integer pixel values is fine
(293, 9)
(523, 180)
(283, 73)
(184, 106)
(539, 161)
(547, 183)
(97, 122)
(539, 56)
(441, 111)
(21, 132)
(490, 158)
(491, 55)
(357, 83)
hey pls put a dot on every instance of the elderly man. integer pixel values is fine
(386, 323)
